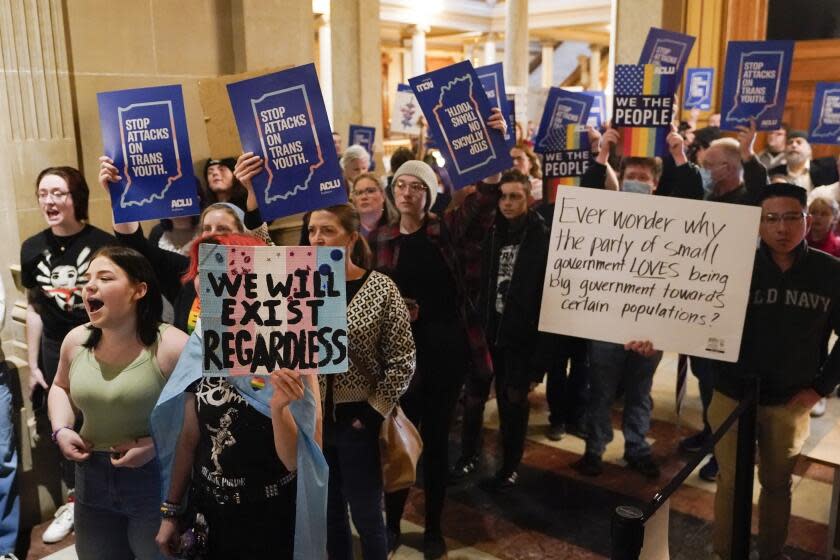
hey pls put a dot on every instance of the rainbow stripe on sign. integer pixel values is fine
(573, 142)
(565, 167)
(644, 81)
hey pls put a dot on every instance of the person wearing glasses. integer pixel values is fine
(793, 305)
(54, 264)
(372, 204)
(418, 252)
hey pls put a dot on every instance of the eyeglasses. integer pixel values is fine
(417, 187)
(368, 191)
(789, 218)
(56, 195)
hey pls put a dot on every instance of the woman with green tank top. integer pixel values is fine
(112, 370)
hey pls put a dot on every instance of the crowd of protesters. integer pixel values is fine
(443, 301)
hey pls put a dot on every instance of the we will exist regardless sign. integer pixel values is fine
(626, 266)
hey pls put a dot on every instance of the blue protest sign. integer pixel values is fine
(457, 109)
(510, 115)
(755, 83)
(145, 132)
(363, 136)
(562, 108)
(281, 117)
(825, 116)
(644, 105)
(493, 81)
(667, 49)
(698, 88)
(598, 111)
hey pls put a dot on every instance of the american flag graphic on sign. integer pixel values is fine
(643, 81)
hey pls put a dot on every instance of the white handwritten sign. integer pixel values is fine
(626, 266)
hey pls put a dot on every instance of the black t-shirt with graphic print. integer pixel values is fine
(52, 268)
(236, 443)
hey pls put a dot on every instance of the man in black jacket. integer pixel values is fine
(513, 260)
(794, 303)
(800, 169)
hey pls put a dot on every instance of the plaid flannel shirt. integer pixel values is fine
(385, 245)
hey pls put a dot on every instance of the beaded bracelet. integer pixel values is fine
(169, 510)
(54, 435)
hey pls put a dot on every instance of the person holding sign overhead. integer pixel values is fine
(382, 362)
(235, 467)
(112, 371)
(632, 365)
(218, 218)
(420, 255)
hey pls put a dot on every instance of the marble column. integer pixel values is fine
(325, 62)
(406, 60)
(595, 68)
(547, 65)
(357, 71)
(489, 53)
(37, 130)
(516, 54)
(418, 50)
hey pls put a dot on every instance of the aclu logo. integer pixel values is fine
(425, 85)
(328, 186)
(181, 203)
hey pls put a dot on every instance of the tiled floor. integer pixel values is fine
(557, 514)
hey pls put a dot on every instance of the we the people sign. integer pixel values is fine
(672, 271)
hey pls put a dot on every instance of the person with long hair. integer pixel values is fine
(527, 163)
(217, 218)
(382, 361)
(373, 206)
(112, 371)
(240, 458)
(53, 267)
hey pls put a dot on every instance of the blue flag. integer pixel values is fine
(667, 49)
(825, 118)
(755, 83)
(598, 111)
(457, 109)
(698, 88)
(493, 80)
(562, 108)
(281, 117)
(145, 132)
(363, 136)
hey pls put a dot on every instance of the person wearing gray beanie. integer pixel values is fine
(420, 255)
(422, 171)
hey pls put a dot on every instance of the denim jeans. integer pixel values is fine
(117, 512)
(355, 479)
(610, 365)
(9, 496)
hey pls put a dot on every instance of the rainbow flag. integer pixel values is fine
(643, 108)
